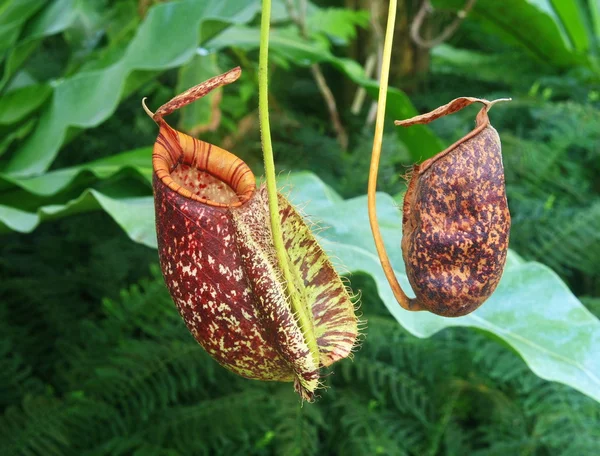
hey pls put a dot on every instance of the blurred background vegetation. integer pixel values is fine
(94, 359)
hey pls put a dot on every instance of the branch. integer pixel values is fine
(425, 10)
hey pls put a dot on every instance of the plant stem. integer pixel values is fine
(401, 297)
(300, 311)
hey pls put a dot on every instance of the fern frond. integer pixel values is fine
(144, 310)
(369, 428)
(495, 360)
(16, 379)
(390, 385)
(298, 425)
(573, 240)
(235, 420)
(46, 426)
(569, 124)
(143, 376)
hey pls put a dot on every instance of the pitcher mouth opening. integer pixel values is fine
(201, 171)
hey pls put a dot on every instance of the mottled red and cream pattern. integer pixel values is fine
(205, 273)
(219, 262)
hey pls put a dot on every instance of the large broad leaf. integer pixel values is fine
(88, 98)
(54, 182)
(134, 214)
(533, 24)
(338, 24)
(13, 15)
(19, 103)
(20, 194)
(572, 19)
(57, 16)
(594, 6)
(532, 310)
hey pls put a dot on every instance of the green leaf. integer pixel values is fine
(595, 10)
(56, 17)
(13, 15)
(17, 220)
(53, 182)
(135, 215)
(337, 23)
(531, 24)
(572, 20)
(19, 103)
(131, 214)
(18, 132)
(88, 98)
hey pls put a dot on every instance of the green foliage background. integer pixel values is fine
(94, 359)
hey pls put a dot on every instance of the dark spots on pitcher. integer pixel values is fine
(456, 227)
